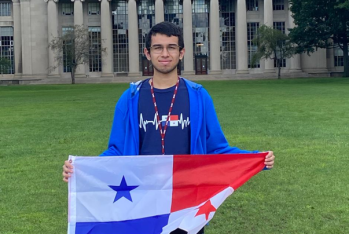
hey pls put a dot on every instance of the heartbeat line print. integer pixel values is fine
(143, 123)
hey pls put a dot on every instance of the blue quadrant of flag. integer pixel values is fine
(145, 225)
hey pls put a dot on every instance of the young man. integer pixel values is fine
(166, 114)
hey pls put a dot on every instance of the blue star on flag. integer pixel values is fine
(123, 190)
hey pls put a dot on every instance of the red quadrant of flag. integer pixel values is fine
(174, 118)
(197, 179)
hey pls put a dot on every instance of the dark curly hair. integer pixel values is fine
(168, 29)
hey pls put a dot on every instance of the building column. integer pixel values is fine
(133, 44)
(52, 11)
(188, 38)
(295, 61)
(159, 11)
(79, 20)
(241, 38)
(215, 48)
(17, 37)
(268, 21)
(107, 43)
(26, 39)
(78, 12)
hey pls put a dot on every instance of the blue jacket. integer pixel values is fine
(206, 134)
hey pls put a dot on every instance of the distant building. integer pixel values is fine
(217, 36)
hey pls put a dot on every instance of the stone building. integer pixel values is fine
(217, 36)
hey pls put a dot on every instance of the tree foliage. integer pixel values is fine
(345, 5)
(73, 48)
(272, 44)
(321, 24)
(5, 65)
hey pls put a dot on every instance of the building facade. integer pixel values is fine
(218, 36)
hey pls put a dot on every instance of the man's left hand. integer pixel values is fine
(269, 160)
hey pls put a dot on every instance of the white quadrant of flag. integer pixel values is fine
(96, 199)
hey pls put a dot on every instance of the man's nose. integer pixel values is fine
(165, 52)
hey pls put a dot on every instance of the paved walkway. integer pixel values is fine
(127, 79)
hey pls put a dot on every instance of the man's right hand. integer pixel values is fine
(67, 170)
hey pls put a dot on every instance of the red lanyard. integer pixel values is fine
(163, 132)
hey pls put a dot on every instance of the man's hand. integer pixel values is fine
(269, 160)
(67, 170)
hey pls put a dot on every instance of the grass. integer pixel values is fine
(305, 122)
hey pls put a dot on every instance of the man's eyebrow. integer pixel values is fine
(163, 45)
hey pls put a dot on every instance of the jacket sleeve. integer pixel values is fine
(117, 135)
(216, 143)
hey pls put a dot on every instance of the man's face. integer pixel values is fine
(164, 53)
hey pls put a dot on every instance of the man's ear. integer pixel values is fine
(147, 53)
(181, 54)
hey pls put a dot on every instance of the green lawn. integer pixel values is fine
(305, 122)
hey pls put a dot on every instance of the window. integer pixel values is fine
(146, 20)
(252, 48)
(252, 5)
(281, 27)
(283, 62)
(67, 57)
(200, 15)
(227, 35)
(95, 61)
(174, 12)
(67, 8)
(7, 50)
(66, 29)
(278, 5)
(5, 8)
(120, 36)
(338, 57)
(94, 8)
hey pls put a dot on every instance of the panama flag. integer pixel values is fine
(173, 121)
(153, 194)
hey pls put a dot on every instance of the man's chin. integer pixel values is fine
(165, 70)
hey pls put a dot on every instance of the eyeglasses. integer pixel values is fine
(158, 49)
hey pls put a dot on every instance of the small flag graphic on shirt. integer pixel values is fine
(153, 194)
(173, 121)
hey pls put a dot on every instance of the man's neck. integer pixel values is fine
(164, 81)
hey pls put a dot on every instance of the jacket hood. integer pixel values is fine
(135, 87)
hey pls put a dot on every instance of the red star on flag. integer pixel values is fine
(206, 209)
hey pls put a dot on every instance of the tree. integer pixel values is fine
(321, 24)
(345, 5)
(5, 64)
(272, 44)
(73, 48)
